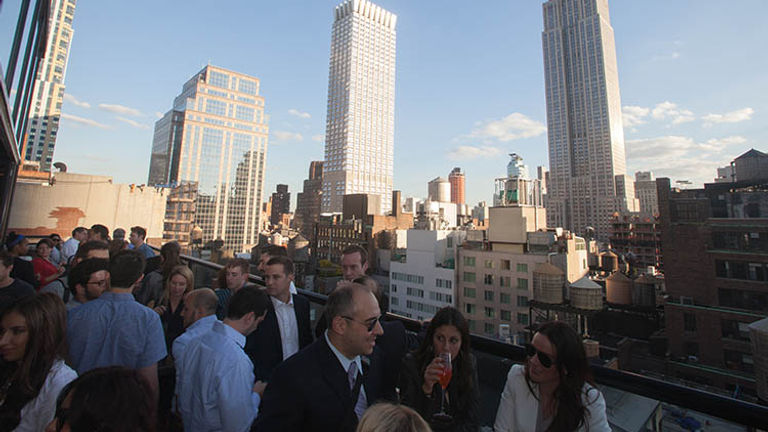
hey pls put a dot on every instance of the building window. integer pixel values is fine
(488, 264)
(469, 308)
(469, 277)
(394, 301)
(522, 283)
(691, 349)
(449, 242)
(489, 328)
(394, 288)
(735, 330)
(489, 312)
(522, 318)
(471, 324)
(488, 295)
(488, 279)
(469, 292)
(469, 261)
(505, 264)
(505, 298)
(522, 268)
(689, 322)
(506, 315)
(522, 301)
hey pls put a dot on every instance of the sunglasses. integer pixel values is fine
(370, 325)
(544, 359)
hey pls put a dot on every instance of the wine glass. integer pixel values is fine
(445, 378)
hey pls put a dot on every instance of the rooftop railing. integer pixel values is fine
(668, 401)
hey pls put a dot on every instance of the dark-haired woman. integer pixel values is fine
(448, 332)
(152, 287)
(111, 399)
(32, 344)
(554, 391)
(45, 271)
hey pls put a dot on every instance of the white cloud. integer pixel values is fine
(74, 101)
(121, 109)
(720, 144)
(473, 152)
(670, 111)
(133, 123)
(83, 121)
(300, 114)
(741, 115)
(512, 127)
(634, 115)
(666, 57)
(318, 137)
(287, 136)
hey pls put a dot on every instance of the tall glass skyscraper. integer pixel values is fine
(215, 138)
(588, 181)
(45, 111)
(359, 135)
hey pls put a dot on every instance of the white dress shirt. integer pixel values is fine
(289, 328)
(38, 412)
(69, 248)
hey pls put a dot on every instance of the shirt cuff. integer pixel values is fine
(256, 401)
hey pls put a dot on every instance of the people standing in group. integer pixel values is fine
(218, 390)
(179, 283)
(554, 389)
(98, 232)
(33, 347)
(152, 287)
(18, 246)
(420, 388)
(110, 399)
(88, 280)
(269, 252)
(236, 274)
(69, 248)
(286, 328)
(328, 385)
(115, 329)
(45, 271)
(138, 234)
(11, 288)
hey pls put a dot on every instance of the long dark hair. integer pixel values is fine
(45, 317)
(110, 399)
(573, 370)
(462, 373)
(170, 253)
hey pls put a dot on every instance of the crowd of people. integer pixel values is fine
(87, 333)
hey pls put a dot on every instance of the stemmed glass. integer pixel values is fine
(445, 378)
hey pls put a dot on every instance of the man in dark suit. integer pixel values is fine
(286, 328)
(322, 387)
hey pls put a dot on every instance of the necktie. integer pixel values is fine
(352, 376)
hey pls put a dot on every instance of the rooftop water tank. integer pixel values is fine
(548, 283)
(644, 291)
(586, 294)
(618, 289)
(609, 262)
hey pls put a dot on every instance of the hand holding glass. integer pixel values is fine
(445, 378)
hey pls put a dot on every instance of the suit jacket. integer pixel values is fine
(265, 347)
(519, 408)
(391, 347)
(310, 392)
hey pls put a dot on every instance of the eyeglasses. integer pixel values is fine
(544, 359)
(369, 325)
(101, 284)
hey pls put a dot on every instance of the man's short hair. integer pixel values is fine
(205, 299)
(126, 267)
(6, 258)
(140, 231)
(84, 248)
(283, 261)
(349, 250)
(78, 230)
(54, 236)
(118, 233)
(341, 301)
(274, 251)
(101, 230)
(244, 265)
(81, 273)
(248, 299)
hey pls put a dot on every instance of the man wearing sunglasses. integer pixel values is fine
(328, 385)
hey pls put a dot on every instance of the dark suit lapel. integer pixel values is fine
(332, 371)
(273, 330)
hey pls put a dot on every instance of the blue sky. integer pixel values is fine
(469, 86)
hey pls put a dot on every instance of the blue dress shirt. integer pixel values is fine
(217, 390)
(197, 329)
(114, 330)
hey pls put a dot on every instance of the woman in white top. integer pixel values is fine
(32, 343)
(554, 391)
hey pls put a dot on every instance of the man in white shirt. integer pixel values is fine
(286, 328)
(267, 253)
(69, 247)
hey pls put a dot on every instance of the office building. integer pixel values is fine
(359, 136)
(215, 136)
(456, 178)
(281, 204)
(584, 124)
(645, 191)
(45, 110)
(308, 200)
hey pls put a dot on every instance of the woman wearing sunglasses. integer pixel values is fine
(554, 391)
(423, 370)
(32, 345)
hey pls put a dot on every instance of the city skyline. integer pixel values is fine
(690, 87)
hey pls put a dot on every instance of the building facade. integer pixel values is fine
(584, 124)
(645, 191)
(308, 201)
(281, 204)
(456, 178)
(359, 136)
(45, 110)
(216, 136)
(637, 236)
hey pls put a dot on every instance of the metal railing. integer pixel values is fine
(500, 356)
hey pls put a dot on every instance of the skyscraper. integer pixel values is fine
(45, 111)
(359, 137)
(308, 200)
(584, 126)
(456, 177)
(215, 137)
(281, 204)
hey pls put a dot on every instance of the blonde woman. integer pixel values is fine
(386, 417)
(180, 281)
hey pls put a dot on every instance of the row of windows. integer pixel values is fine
(408, 278)
(488, 279)
(504, 314)
(470, 261)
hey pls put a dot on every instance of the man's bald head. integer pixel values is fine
(199, 303)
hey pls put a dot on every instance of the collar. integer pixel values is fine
(293, 288)
(204, 321)
(344, 360)
(113, 296)
(230, 333)
(277, 303)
